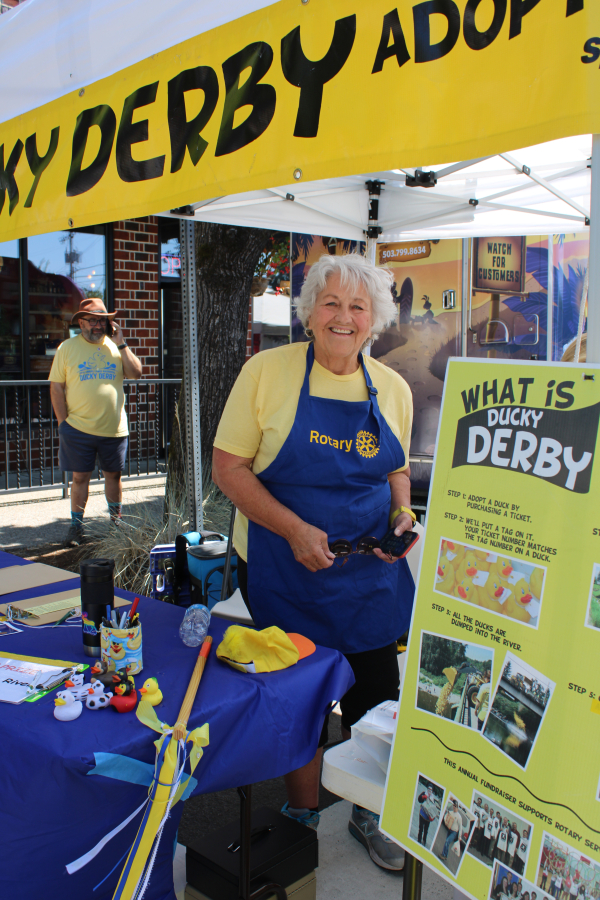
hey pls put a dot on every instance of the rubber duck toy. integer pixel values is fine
(471, 565)
(152, 691)
(445, 576)
(96, 698)
(536, 582)
(77, 687)
(492, 592)
(66, 707)
(103, 671)
(466, 590)
(125, 696)
(516, 605)
(455, 552)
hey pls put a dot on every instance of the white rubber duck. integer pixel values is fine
(96, 698)
(77, 687)
(66, 707)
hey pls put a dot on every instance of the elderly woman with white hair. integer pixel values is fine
(312, 448)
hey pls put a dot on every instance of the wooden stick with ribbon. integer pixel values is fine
(180, 727)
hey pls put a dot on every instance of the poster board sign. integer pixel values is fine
(499, 265)
(495, 769)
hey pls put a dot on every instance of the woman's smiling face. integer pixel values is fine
(340, 321)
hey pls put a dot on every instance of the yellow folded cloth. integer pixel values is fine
(257, 651)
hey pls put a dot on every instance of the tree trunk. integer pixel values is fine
(226, 258)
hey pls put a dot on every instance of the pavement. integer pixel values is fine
(345, 870)
(40, 518)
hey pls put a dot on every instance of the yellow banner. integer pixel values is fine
(495, 771)
(303, 91)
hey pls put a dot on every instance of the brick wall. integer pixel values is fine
(136, 287)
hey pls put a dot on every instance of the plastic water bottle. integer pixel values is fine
(194, 627)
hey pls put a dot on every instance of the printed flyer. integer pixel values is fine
(494, 778)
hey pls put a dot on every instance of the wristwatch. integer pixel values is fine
(403, 509)
(122, 346)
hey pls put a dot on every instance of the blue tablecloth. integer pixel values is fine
(51, 812)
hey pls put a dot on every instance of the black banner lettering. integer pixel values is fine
(187, 134)
(574, 6)
(519, 9)
(479, 40)
(38, 164)
(425, 51)
(261, 97)
(310, 75)
(546, 443)
(130, 132)
(391, 27)
(81, 180)
(7, 177)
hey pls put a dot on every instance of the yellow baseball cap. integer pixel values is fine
(269, 650)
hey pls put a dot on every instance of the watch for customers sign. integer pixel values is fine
(499, 265)
(286, 93)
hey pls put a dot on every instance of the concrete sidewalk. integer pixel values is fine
(35, 519)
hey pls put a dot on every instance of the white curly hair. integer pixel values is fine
(353, 269)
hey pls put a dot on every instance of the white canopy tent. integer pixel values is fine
(539, 190)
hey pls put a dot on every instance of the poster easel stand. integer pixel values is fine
(413, 877)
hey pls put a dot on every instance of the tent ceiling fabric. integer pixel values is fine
(75, 42)
(340, 206)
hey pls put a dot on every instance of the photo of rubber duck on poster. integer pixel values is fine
(592, 618)
(518, 709)
(454, 680)
(505, 585)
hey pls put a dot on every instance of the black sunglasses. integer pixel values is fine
(342, 549)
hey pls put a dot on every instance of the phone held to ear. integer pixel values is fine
(398, 546)
(109, 328)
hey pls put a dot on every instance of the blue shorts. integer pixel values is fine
(77, 451)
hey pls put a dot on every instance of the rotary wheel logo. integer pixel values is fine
(367, 444)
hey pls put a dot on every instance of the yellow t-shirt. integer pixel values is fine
(261, 408)
(93, 379)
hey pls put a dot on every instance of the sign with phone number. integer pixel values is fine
(403, 252)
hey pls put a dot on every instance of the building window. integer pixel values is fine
(10, 311)
(42, 282)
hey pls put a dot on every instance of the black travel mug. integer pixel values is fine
(97, 593)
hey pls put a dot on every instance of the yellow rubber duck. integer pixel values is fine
(488, 595)
(516, 605)
(471, 565)
(457, 551)
(445, 576)
(466, 590)
(152, 691)
(536, 582)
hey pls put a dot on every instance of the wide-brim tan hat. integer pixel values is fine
(92, 306)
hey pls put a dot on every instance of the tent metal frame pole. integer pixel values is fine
(593, 322)
(550, 314)
(465, 301)
(412, 879)
(191, 374)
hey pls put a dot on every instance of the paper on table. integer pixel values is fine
(21, 578)
(19, 678)
(32, 603)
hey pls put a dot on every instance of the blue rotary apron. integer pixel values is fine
(332, 472)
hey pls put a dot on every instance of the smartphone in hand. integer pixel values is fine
(398, 546)
(109, 328)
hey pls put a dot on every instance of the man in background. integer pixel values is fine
(87, 396)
